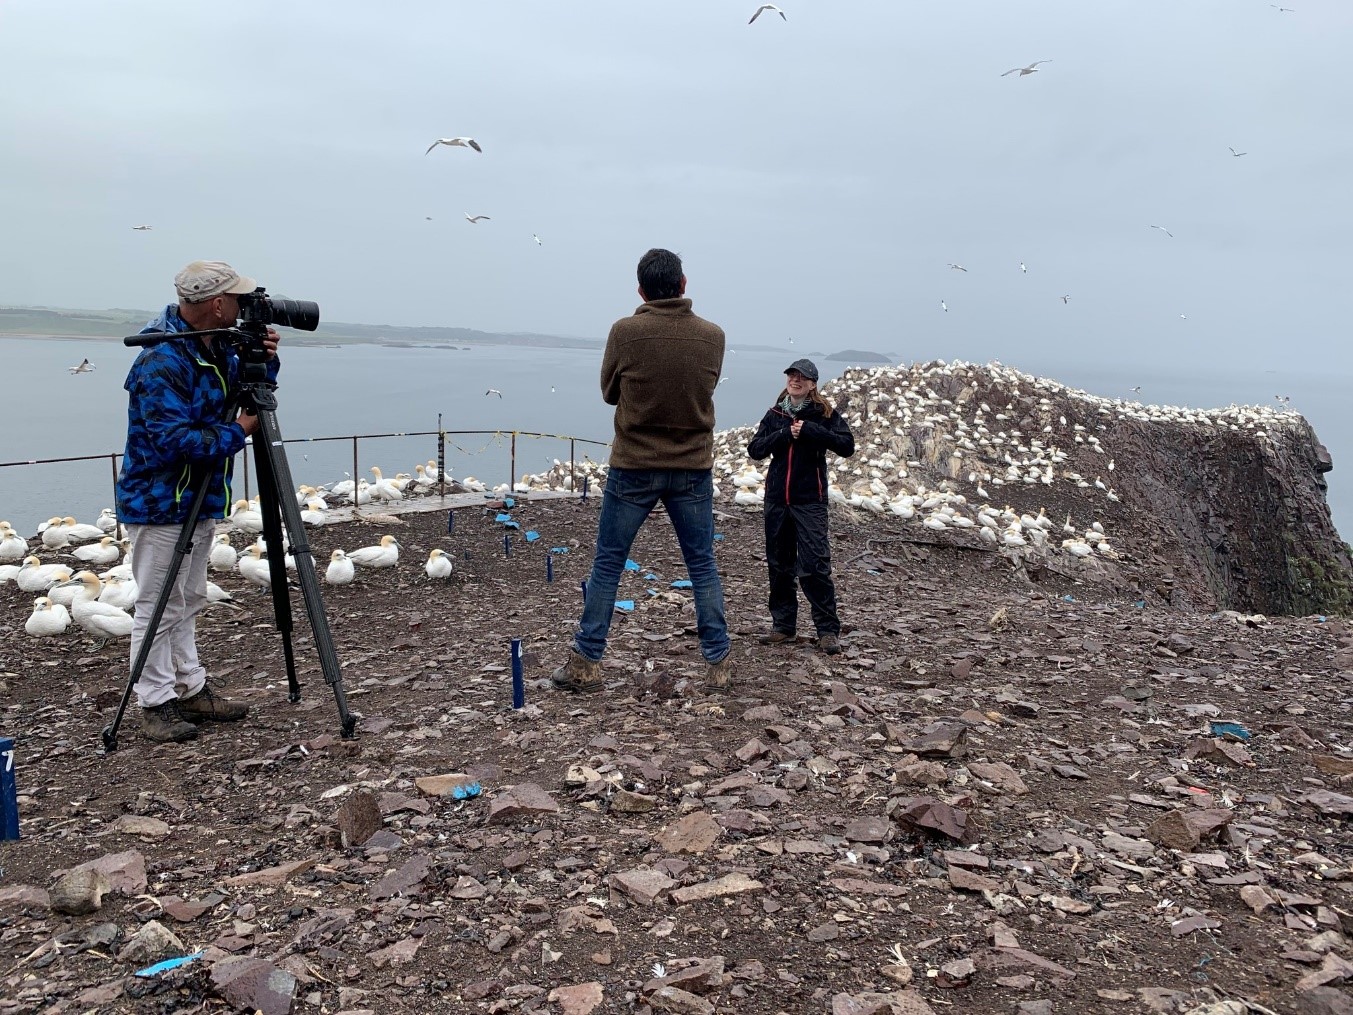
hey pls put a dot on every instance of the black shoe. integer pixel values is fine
(165, 723)
(829, 644)
(778, 638)
(206, 707)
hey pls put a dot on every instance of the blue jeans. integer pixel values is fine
(631, 494)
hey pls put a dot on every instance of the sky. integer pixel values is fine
(817, 174)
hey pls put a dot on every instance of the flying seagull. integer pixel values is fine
(456, 142)
(957, 267)
(1236, 153)
(944, 306)
(1031, 69)
(493, 391)
(84, 367)
(472, 219)
(768, 7)
(142, 229)
(536, 238)
(1165, 231)
(1066, 298)
(1021, 266)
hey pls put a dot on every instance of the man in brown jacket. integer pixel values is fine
(660, 370)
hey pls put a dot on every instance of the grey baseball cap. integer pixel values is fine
(805, 367)
(204, 280)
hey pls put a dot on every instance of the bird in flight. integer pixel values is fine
(536, 238)
(957, 267)
(493, 391)
(1236, 153)
(456, 142)
(1031, 69)
(1066, 298)
(84, 367)
(1283, 398)
(1165, 231)
(142, 229)
(1138, 389)
(1282, 10)
(472, 219)
(768, 7)
(944, 306)
(1021, 266)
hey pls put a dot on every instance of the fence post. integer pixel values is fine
(246, 474)
(441, 457)
(9, 796)
(512, 473)
(572, 479)
(112, 460)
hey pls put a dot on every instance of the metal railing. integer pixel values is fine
(115, 456)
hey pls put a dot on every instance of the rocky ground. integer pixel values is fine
(1016, 790)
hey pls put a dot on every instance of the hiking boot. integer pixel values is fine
(165, 723)
(578, 674)
(719, 676)
(777, 638)
(829, 644)
(204, 706)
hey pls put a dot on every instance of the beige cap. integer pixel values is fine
(204, 280)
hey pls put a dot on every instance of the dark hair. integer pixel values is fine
(660, 274)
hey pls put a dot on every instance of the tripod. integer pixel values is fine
(257, 395)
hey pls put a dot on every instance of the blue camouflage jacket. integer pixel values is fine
(177, 431)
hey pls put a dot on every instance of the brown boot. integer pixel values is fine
(578, 674)
(778, 638)
(719, 676)
(165, 723)
(206, 707)
(829, 644)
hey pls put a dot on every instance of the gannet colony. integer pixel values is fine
(983, 452)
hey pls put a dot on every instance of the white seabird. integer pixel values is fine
(223, 555)
(473, 219)
(384, 555)
(438, 564)
(1165, 231)
(455, 142)
(254, 567)
(35, 576)
(957, 267)
(768, 7)
(84, 367)
(46, 620)
(104, 552)
(1031, 69)
(340, 570)
(107, 520)
(493, 391)
(99, 619)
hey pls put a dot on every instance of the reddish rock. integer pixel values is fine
(692, 834)
(523, 799)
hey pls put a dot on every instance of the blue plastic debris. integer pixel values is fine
(532, 535)
(650, 577)
(631, 566)
(651, 592)
(168, 964)
(466, 792)
(1140, 604)
(503, 516)
(682, 583)
(1069, 598)
(1230, 730)
(718, 536)
(559, 549)
(511, 525)
(625, 605)
(509, 501)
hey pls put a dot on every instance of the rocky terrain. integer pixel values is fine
(1088, 770)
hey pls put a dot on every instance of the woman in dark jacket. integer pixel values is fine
(797, 433)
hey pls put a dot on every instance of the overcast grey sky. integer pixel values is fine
(817, 174)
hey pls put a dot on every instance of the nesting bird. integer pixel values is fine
(386, 554)
(47, 620)
(340, 570)
(438, 564)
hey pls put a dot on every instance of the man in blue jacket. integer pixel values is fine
(178, 437)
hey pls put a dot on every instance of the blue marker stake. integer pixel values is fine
(518, 683)
(507, 545)
(549, 568)
(450, 522)
(9, 795)
(584, 489)
(583, 586)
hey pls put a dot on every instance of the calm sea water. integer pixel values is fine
(364, 389)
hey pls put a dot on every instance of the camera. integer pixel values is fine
(258, 307)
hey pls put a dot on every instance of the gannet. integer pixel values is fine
(288, 560)
(99, 619)
(142, 229)
(384, 489)
(12, 545)
(107, 520)
(1165, 231)
(46, 619)
(55, 534)
(80, 532)
(223, 555)
(1236, 153)
(104, 552)
(314, 512)
(1031, 69)
(957, 267)
(63, 592)
(216, 594)
(768, 7)
(84, 367)
(119, 592)
(35, 576)
(430, 470)
(455, 142)
(494, 391)
(384, 555)
(247, 515)
(536, 238)
(473, 219)
(438, 564)
(254, 567)
(340, 570)
(8, 572)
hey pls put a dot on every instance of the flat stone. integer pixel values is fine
(402, 881)
(693, 833)
(628, 802)
(969, 881)
(25, 897)
(869, 829)
(79, 892)
(939, 740)
(903, 1002)
(643, 886)
(126, 872)
(440, 785)
(859, 886)
(702, 977)
(682, 1002)
(824, 932)
(152, 943)
(579, 999)
(272, 876)
(401, 953)
(358, 819)
(1000, 775)
(141, 825)
(255, 985)
(729, 884)
(525, 798)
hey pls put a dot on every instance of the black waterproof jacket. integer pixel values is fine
(798, 466)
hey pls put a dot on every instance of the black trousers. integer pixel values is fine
(797, 546)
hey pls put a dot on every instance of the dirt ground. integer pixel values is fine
(1005, 795)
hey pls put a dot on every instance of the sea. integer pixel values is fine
(382, 394)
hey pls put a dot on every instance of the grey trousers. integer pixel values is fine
(172, 668)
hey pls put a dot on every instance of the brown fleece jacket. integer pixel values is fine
(660, 370)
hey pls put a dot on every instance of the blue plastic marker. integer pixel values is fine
(682, 583)
(549, 569)
(625, 605)
(507, 545)
(167, 964)
(583, 585)
(503, 516)
(718, 537)
(450, 522)
(532, 535)
(650, 577)
(559, 549)
(631, 566)
(518, 682)
(509, 501)
(9, 794)
(584, 489)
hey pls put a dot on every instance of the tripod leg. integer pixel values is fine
(268, 497)
(268, 447)
(182, 548)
